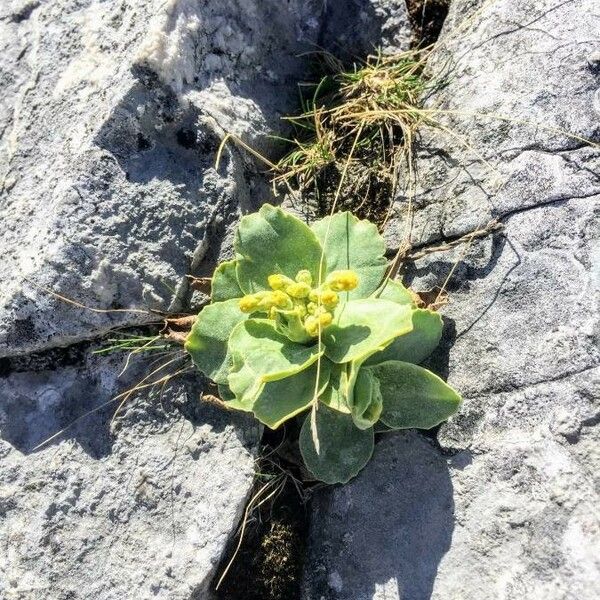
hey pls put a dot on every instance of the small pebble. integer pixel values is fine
(594, 60)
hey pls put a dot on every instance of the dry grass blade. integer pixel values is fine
(354, 163)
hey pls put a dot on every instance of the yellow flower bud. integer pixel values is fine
(314, 295)
(265, 300)
(248, 303)
(278, 281)
(312, 326)
(329, 298)
(304, 276)
(319, 310)
(281, 299)
(312, 323)
(298, 290)
(311, 307)
(342, 281)
(300, 309)
(325, 319)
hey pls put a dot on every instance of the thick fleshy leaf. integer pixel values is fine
(224, 284)
(343, 449)
(394, 290)
(270, 355)
(335, 394)
(281, 400)
(366, 400)
(273, 241)
(350, 243)
(363, 327)
(231, 401)
(413, 396)
(418, 344)
(243, 382)
(207, 342)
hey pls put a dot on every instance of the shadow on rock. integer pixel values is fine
(384, 534)
(154, 137)
(49, 400)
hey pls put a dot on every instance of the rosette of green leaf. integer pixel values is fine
(273, 241)
(270, 367)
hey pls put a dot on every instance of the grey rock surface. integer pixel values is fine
(140, 509)
(110, 120)
(387, 529)
(111, 115)
(522, 330)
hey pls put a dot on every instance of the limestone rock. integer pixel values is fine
(109, 128)
(385, 531)
(141, 509)
(110, 120)
(521, 338)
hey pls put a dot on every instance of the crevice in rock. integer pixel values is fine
(283, 525)
(271, 557)
(551, 202)
(50, 359)
(519, 388)
(427, 19)
(501, 217)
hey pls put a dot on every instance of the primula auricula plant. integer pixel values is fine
(304, 320)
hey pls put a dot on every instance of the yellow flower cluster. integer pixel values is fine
(297, 297)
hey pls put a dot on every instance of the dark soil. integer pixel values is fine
(427, 17)
(365, 192)
(269, 563)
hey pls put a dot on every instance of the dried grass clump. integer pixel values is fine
(353, 139)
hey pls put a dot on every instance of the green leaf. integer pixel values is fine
(270, 355)
(207, 342)
(224, 284)
(281, 400)
(363, 327)
(415, 346)
(394, 290)
(353, 244)
(413, 396)
(230, 400)
(289, 323)
(366, 400)
(335, 394)
(343, 449)
(244, 384)
(273, 241)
